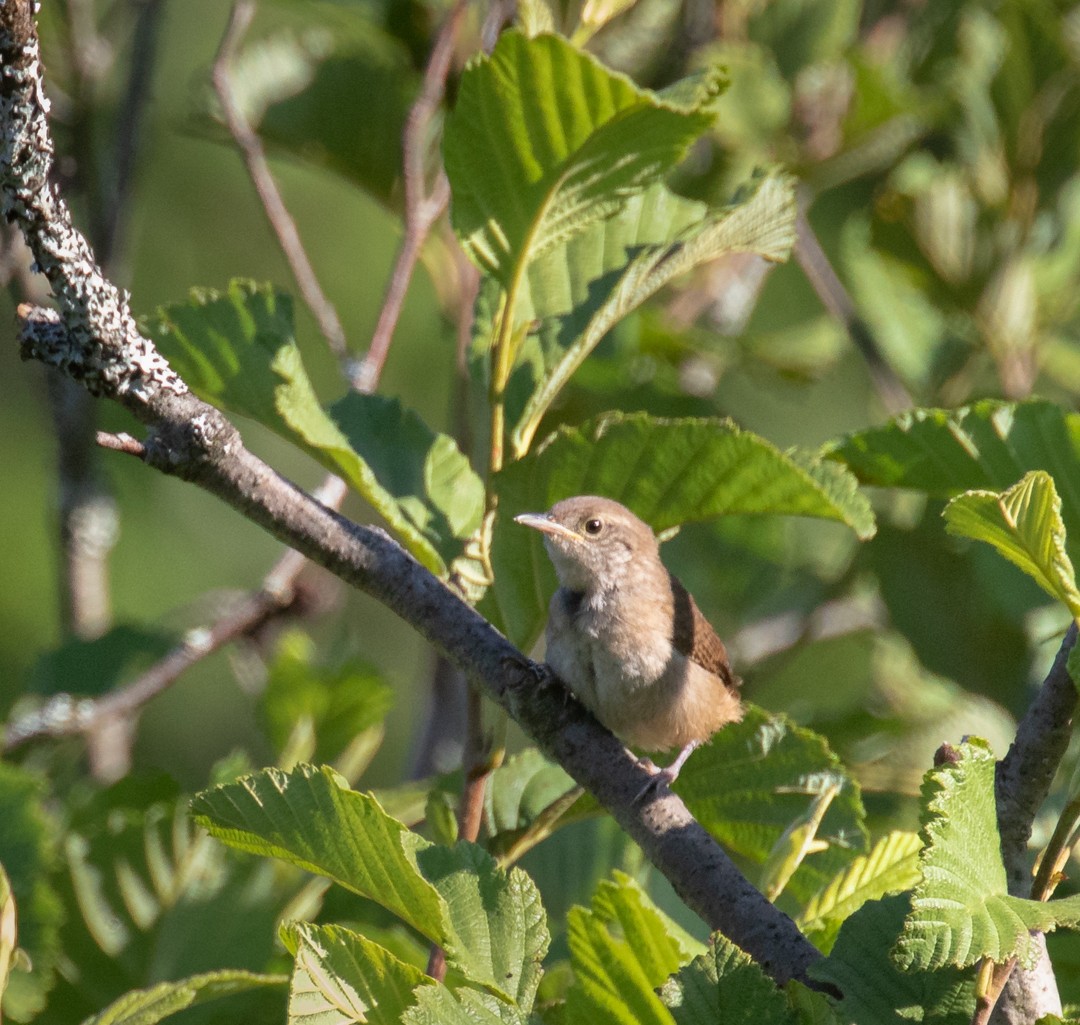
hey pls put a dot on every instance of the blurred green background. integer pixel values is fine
(939, 146)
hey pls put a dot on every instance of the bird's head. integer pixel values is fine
(593, 542)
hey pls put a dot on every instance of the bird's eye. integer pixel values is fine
(593, 526)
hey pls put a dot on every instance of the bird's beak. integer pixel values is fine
(546, 525)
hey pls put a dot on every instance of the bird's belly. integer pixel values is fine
(650, 696)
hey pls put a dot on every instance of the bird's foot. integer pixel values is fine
(538, 673)
(664, 777)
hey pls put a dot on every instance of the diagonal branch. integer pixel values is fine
(94, 340)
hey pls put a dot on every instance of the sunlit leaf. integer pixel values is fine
(438, 1005)
(989, 445)
(9, 932)
(890, 866)
(340, 978)
(725, 985)
(581, 290)
(962, 911)
(622, 948)
(27, 856)
(544, 140)
(1024, 524)
(490, 923)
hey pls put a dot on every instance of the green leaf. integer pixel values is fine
(498, 917)
(668, 472)
(1024, 524)
(545, 140)
(333, 703)
(578, 292)
(290, 85)
(961, 911)
(437, 1005)
(520, 789)
(340, 977)
(147, 1006)
(430, 480)
(988, 445)
(27, 856)
(875, 991)
(725, 985)
(891, 866)
(310, 818)
(236, 349)
(490, 923)
(758, 776)
(622, 948)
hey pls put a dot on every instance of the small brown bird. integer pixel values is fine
(627, 637)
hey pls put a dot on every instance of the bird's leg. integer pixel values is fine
(667, 775)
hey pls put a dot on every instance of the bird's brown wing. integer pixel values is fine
(694, 637)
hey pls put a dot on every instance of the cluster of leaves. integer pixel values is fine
(562, 178)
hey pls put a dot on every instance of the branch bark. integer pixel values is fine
(1021, 784)
(93, 339)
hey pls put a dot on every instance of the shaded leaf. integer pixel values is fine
(988, 445)
(290, 85)
(724, 984)
(1024, 524)
(334, 703)
(668, 472)
(962, 911)
(758, 776)
(147, 1006)
(341, 977)
(890, 866)
(431, 481)
(876, 992)
(92, 667)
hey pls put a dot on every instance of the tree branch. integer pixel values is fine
(1022, 782)
(94, 340)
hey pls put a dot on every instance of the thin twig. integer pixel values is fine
(422, 208)
(834, 297)
(281, 221)
(121, 443)
(93, 337)
(66, 715)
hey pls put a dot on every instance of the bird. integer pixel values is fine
(627, 638)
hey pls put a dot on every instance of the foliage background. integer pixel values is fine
(915, 129)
